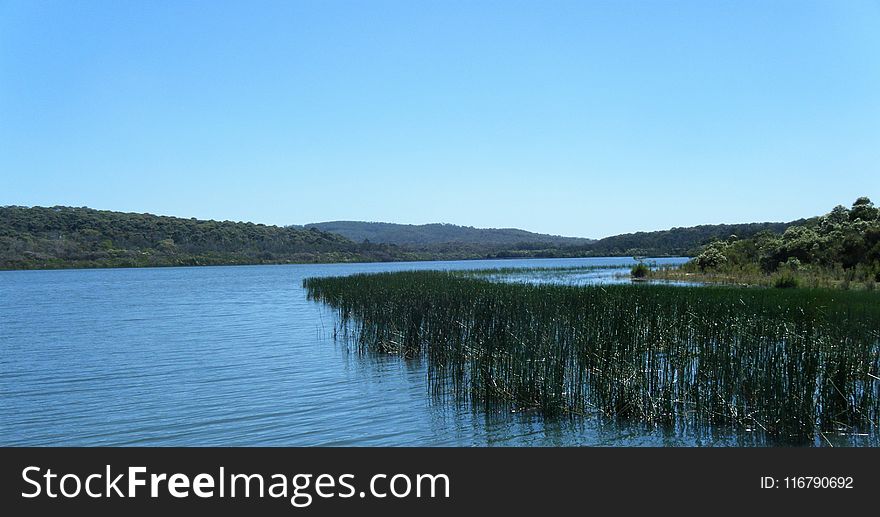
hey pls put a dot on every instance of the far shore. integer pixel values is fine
(81, 265)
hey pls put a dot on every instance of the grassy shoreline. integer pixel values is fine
(780, 279)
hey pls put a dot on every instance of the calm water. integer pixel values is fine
(237, 356)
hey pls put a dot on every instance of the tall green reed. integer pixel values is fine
(791, 363)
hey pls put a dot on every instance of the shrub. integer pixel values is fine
(710, 259)
(786, 281)
(793, 264)
(640, 270)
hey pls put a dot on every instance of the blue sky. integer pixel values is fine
(574, 118)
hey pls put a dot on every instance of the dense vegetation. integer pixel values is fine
(437, 234)
(64, 237)
(81, 237)
(840, 248)
(509, 243)
(789, 365)
(677, 242)
(67, 237)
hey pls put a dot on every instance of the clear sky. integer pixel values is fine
(574, 118)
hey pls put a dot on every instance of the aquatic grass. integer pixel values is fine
(793, 363)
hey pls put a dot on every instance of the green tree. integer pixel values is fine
(863, 209)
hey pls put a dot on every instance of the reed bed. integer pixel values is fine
(788, 363)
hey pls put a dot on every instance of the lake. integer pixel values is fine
(237, 356)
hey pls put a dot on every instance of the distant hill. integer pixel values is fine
(438, 233)
(41, 237)
(68, 237)
(679, 241)
(515, 243)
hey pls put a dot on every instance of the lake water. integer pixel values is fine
(238, 356)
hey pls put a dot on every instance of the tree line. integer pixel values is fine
(71, 237)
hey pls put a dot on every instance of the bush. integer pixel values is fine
(711, 259)
(640, 270)
(793, 264)
(786, 281)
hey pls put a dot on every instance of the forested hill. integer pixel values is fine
(53, 237)
(515, 243)
(679, 241)
(438, 233)
(66, 237)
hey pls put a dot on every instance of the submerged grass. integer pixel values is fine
(788, 363)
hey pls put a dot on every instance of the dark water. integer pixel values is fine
(238, 356)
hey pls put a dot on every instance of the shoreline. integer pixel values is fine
(359, 260)
(800, 280)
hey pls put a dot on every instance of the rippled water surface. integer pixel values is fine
(237, 356)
